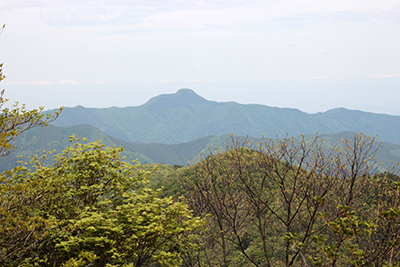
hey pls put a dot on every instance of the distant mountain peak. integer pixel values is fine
(185, 91)
(183, 97)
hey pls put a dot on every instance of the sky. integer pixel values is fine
(313, 55)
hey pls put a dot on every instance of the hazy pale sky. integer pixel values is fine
(308, 54)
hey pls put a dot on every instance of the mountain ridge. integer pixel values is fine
(57, 138)
(185, 116)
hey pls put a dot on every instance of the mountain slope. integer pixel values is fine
(57, 138)
(185, 116)
(53, 137)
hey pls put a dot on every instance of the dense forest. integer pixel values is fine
(275, 202)
(290, 203)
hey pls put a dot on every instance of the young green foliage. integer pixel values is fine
(90, 208)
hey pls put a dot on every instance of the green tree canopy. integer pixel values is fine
(89, 209)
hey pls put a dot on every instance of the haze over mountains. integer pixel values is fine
(186, 116)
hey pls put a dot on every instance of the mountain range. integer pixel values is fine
(186, 116)
(174, 128)
(57, 138)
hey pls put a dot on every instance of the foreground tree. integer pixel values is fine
(16, 120)
(89, 209)
(289, 203)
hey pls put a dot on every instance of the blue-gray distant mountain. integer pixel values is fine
(186, 116)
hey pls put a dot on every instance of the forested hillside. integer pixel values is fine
(291, 203)
(57, 138)
(186, 116)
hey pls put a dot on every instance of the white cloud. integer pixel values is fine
(65, 81)
(82, 15)
(96, 13)
(189, 14)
